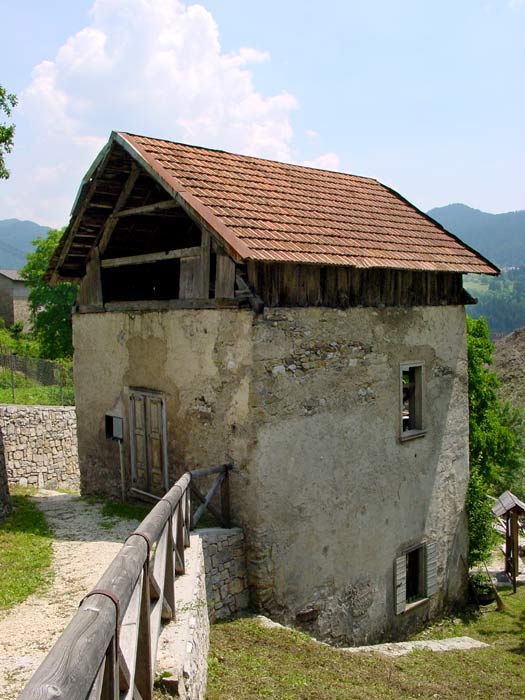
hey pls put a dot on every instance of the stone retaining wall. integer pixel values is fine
(5, 501)
(182, 657)
(225, 564)
(38, 446)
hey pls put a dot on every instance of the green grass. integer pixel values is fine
(31, 393)
(25, 552)
(113, 511)
(248, 661)
(128, 511)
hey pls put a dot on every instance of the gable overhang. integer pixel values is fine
(205, 218)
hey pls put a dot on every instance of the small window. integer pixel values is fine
(415, 575)
(411, 400)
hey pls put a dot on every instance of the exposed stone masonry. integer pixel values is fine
(225, 563)
(5, 501)
(38, 446)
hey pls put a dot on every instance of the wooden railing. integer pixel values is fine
(108, 650)
(223, 515)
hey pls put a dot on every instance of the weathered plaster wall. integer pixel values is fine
(338, 495)
(305, 403)
(38, 446)
(201, 360)
(226, 581)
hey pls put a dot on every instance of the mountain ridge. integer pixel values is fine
(16, 238)
(499, 237)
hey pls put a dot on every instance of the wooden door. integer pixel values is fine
(147, 418)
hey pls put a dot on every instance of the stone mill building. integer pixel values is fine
(306, 326)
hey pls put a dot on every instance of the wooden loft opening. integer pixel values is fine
(148, 255)
(146, 248)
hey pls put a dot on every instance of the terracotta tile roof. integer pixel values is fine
(276, 212)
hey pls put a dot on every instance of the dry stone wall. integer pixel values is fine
(38, 446)
(5, 501)
(225, 564)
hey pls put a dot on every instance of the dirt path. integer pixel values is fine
(82, 549)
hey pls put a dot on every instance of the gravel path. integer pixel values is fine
(82, 549)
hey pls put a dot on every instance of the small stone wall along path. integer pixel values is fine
(82, 550)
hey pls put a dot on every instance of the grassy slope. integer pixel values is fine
(30, 392)
(25, 552)
(248, 661)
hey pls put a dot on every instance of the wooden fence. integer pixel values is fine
(108, 650)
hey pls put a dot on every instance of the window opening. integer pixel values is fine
(415, 576)
(411, 400)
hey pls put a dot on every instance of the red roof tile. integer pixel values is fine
(272, 211)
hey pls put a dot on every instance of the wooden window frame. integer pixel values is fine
(427, 573)
(415, 417)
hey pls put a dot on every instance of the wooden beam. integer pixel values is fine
(90, 292)
(150, 257)
(205, 264)
(225, 277)
(121, 201)
(255, 300)
(167, 304)
(148, 208)
(55, 277)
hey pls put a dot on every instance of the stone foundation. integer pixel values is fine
(38, 446)
(225, 563)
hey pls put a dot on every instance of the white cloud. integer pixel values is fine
(326, 161)
(147, 66)
(312, 134)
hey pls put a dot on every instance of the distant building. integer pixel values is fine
(14, 305)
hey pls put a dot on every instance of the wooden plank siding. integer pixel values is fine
(341, 287)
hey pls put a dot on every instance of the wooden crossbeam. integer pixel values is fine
(213, 510)
(148, 208)
(120, 203)
(206, 502)
(150, 257)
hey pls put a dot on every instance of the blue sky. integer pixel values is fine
(427, 97)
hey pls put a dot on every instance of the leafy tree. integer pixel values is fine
(7, 131)
(497, 441)
(50, 306)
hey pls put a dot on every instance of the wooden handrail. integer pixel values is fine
(207, 471)
(108, 649)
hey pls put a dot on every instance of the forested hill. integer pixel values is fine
(15, 241)
(499, 237)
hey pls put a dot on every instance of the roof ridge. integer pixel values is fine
(339, 173)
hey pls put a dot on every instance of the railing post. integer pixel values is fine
(144, 668)
(110, 682)
(169, 574)
(180, 565)
(187, 518)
